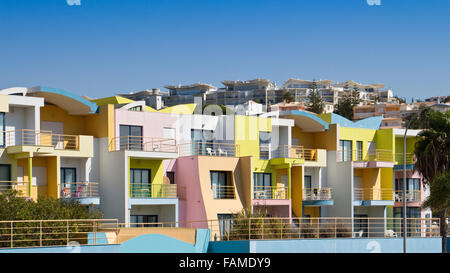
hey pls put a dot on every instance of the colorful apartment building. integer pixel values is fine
(144, 166)
(47, 149)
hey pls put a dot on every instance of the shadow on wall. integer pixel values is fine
(157, 243)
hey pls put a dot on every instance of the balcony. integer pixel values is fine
(411, 196)
(373, 197)
(365, 156)
(317, 197)
(144, 144)
(223, 192)
(20, 186)
(270, 192)
(287, 151)
(84, 192)
(40, 138)
(209, 149)
(320, 194)
(410, 158)
(153, 190)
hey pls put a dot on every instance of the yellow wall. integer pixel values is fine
(297, 189)
(247, 130)
(327, 140)
(306, 140)
(4, 104)
(53, 176)
(73, 125)
(313, 212)
(102, 124)
(156, 167)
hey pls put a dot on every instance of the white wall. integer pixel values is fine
(113, 179)
(340, 179)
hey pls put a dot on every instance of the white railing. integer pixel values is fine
(29, 137)
(79, 190)
(209, 149)
(145, 144)
(317, 194)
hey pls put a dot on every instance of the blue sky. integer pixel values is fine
(104, 47)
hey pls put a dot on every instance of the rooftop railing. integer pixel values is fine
(138, 190)
(80, 190)
(29, 137)
(145, 144)
(270, 192)
(40, 233)
(209, 149)
(366, 194)
(366, 155)
(317, 194)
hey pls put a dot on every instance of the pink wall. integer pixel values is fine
(191, 204)
(152, 123)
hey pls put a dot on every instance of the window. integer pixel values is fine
(225, 224)
(359, 150)
(140, 183)
(262, 185)
(345, 150)
(171, 176)
(264, 138)
(143, 220)
(2, 129)
(308, 182)
(5, 175)
(220, 186)
(130, 137)
(136, 108)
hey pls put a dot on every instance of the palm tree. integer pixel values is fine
(439, 201)
(432, 152)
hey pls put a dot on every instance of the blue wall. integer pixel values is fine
(64, 249)
(347, 245)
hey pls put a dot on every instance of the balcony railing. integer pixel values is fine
(41, 233)
(79, 190)
(367, 155)
(365, 194)
(270, 192)
(287, 151)
(20, 186)
(411, 196)
(153, 190)
(410, 158)
(209, 149)
(223, 192)
(145, 144)
(317, 194)
(274, 228)
(30, 137)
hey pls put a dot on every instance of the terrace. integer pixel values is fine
(209, 149)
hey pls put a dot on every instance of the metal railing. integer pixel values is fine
(223, 192)
(270, 192)
(319, 194)
(366, 155)
(41, 233)
(410, 158)
(209, 149)
(41, 138)
(21, 186)
(79, 190)
(287, 151)
(363, 194)
(146, 144)
(411, 196)
(138, 190)
(274, 228)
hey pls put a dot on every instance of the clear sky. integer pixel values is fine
(105, 47)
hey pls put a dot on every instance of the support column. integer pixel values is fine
(30, 176)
